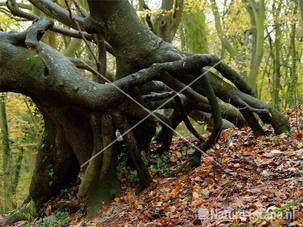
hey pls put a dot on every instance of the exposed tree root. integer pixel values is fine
(121, 123)
(93, 169)
(67, 100)
(180, 108)
(107, 138)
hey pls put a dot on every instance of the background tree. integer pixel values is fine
(193, 28)
(7, 189)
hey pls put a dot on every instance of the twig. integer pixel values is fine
(79, 28)
(15, 10)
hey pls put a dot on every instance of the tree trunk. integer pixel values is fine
(219, 28)
(277, 62)
(7, 181)
(193, 32)
(292, 84)
(300, 4)
(16, 173)
(256, 12)
(66, 143)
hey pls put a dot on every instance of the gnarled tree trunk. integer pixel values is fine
(78, 111)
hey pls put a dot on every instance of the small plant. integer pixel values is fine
(57, 219)
(274, 212)
(160, 163)
(133, 176)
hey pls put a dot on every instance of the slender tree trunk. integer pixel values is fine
(300, 4)
(194, 30)
(292, 84)
(7, 183)
(17, 170)
(256, 11)
(72, 47)
(219, 28)
(167, 4)
(277, 48)
(165, 22)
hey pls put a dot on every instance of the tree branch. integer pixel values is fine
(19, 4)
(80, 64)
(55, 11)
(67, 78)
(14, 8)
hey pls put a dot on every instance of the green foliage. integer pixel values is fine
(193, 30)
(57, 219)
(125, 169)
(51, 175)
(193, 6)
(159, 164)
(25, 211)
(201, 127)
(278, 212)
(25, 127)
(133, 176)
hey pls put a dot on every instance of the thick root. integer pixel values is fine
(131, 145)
(93, 168)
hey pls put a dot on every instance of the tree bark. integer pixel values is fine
(256, 10)
(7, 180)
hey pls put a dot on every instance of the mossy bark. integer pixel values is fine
(57, 165)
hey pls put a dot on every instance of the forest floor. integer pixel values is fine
(242, 181)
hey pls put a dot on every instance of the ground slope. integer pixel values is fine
(242, 180)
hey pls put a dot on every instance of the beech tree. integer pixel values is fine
(82, 116)
(256, 11)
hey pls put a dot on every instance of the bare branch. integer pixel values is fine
(57, 12)
(80, 64)
(21, 5)
(15, 9)
(80, 9)
(158, 96)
